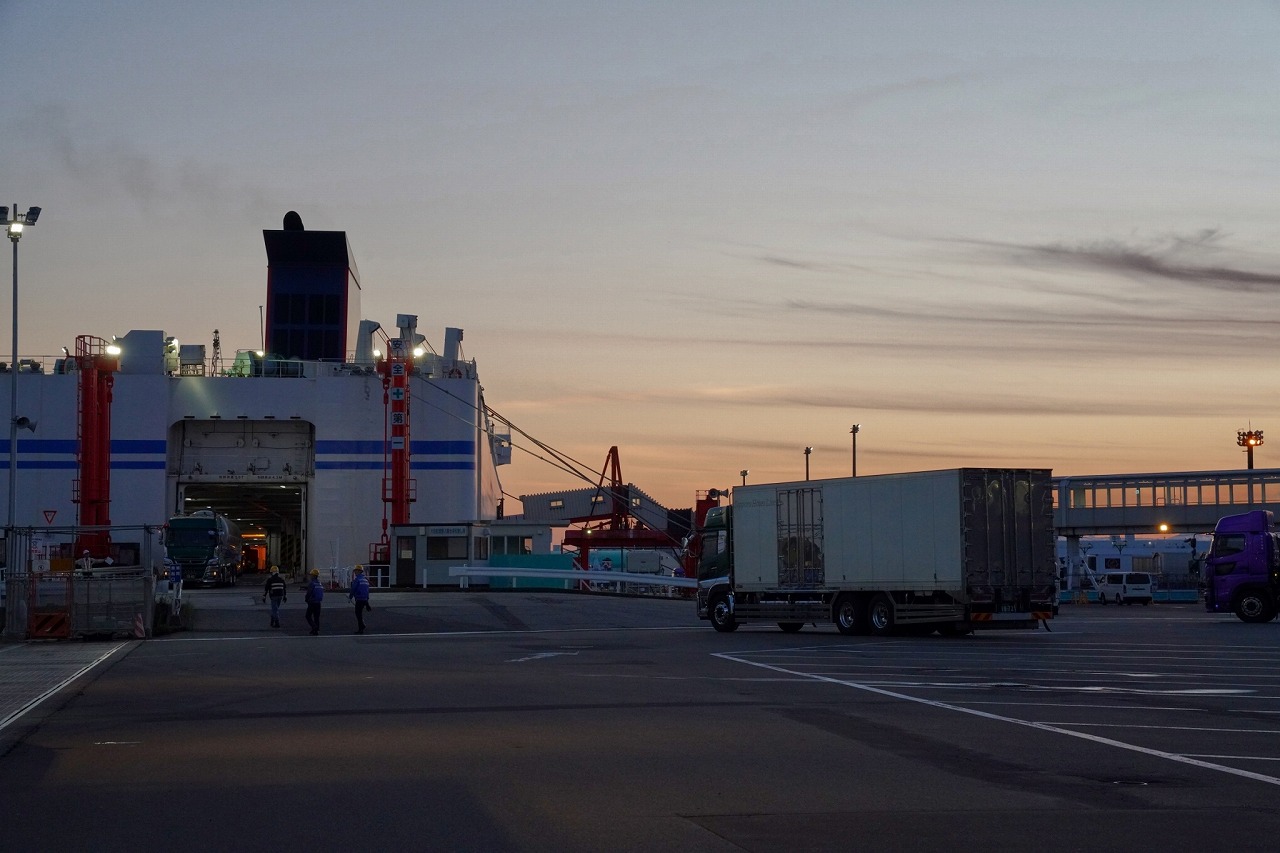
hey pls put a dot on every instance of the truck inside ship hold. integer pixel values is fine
(947, 551)
(205, 547)
(1242, 569)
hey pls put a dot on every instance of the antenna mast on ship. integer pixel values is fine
(216, 365)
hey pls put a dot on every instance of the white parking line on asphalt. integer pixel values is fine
(1045, 727)
(1171, 728)
(421, 635)
(15, 715)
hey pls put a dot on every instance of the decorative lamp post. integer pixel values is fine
(807, 451)
(14, 224)
(853, 431)
(1249, 439)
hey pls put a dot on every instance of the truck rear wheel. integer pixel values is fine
(721, 616)
(880, 615)
(1255, 605)
(851, 616)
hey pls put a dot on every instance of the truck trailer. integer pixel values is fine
(951, 551)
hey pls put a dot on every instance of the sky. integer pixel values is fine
(710, 233)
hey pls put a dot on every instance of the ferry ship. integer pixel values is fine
(343, 441)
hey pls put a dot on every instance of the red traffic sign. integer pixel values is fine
(48, 515)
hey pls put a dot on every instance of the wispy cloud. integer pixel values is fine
(925, 399)
(1171, 258)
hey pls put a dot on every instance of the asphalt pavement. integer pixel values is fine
(548, 721)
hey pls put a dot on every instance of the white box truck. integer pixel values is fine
(950, 550)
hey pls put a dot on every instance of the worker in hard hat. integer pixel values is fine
(359, 593)
(276, 593)
(313, 597)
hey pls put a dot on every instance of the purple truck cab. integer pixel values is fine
(1242, 570)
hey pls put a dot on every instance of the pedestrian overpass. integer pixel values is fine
(1151, 504)
(1146, 505)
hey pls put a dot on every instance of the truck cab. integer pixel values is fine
(1242, 568)
(715, 569)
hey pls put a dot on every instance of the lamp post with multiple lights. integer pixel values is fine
(14, 223)
(853, 431)
(807, 451)
(744, 472)
(1249, 439)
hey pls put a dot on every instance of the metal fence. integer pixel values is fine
(50, 593)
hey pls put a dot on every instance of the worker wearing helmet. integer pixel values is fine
(277, 593)
(315, 595)
(359, 593)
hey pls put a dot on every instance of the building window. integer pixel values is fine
(512, 544)
(446, 547)
(557, 504)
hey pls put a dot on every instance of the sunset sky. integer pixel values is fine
(711, 233)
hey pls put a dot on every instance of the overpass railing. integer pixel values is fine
(1186, 502)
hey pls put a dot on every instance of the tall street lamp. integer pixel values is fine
(1249, 439)
(853, 431)
(744, 472)
(807, 451)
(14, 223)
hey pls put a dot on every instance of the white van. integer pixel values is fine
(1124, 587)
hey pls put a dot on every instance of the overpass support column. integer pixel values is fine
(1074, 560)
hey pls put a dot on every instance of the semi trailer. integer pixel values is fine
(951, 550)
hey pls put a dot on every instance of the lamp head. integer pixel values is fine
(33, 213)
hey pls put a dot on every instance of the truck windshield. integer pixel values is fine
(1226, 544)
(714, 562)
(190, 537)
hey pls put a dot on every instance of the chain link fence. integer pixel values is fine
(56, 588)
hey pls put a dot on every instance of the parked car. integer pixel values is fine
(1124, 588)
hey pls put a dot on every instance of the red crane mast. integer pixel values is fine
(616, 529)
(91, 491)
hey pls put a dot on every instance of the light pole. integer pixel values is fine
(744, 472)
(807, 451)
(13, 227)
(1249, 439)
(853, 431)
